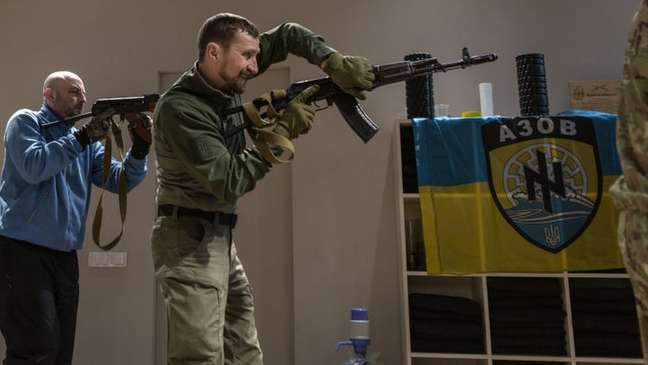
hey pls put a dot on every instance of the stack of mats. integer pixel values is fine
(527, 316)
(605, 318)
(445, 324)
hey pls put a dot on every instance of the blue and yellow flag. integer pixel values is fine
(518, 194)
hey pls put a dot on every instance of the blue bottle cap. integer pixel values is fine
(359, 314)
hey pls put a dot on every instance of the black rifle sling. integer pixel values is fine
(96, 223)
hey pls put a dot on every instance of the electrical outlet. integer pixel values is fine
(107, 259)
(117, 259)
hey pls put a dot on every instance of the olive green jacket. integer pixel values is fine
(197, 167)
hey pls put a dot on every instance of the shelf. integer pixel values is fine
(430, 355)
(599, 275)
(527, 275)
(605, 360)
(418, 273)
(434, 355)
(530, 358)
(476, 288)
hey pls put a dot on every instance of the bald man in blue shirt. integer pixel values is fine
(44, 198)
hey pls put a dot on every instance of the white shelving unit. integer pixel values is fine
(475, 287)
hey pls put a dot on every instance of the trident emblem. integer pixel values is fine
(552, 235)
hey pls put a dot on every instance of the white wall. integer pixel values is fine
(342, 190)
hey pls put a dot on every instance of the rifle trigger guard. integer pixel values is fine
(320, 107)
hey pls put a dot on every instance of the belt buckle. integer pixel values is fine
(227, 219)
(234, 219)
(166, 210)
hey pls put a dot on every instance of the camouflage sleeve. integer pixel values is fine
(632, 129)
(199, 146)
(630, 191)
(291, 38)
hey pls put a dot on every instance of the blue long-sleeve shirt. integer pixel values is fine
(46, 180)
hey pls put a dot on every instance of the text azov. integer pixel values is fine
(543, 126)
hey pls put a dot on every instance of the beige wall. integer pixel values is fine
(343, 234)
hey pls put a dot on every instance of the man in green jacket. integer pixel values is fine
(202, 173)
(630, 191)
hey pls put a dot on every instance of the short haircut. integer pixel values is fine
(55, 77)
(221, 28)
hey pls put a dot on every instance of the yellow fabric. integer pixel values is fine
(465, 233)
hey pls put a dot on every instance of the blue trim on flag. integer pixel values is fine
(449, 151)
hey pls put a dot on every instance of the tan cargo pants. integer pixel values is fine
(209, 304)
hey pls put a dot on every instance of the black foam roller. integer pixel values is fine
(419, 92)
(532, 84)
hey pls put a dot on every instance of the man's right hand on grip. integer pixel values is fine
(96, 129)
(297, 118)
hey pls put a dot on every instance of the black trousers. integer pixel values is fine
(39, 297)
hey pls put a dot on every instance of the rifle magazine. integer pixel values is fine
(356, 117)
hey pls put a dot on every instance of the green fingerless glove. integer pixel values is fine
(352, 74)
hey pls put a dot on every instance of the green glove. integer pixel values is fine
(298, 116)
(352, 74)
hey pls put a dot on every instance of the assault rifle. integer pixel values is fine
(348, 106)
(121, 106)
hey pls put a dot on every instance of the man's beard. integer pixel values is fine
(77, 109)
(73, 110)
(236, 84)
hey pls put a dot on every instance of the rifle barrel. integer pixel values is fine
(476, 60)
(405, 70)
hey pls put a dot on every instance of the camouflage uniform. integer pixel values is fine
(206, 291)
(630, 191)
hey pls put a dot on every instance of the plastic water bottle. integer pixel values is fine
(486, 98)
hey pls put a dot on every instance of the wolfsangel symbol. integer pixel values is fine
(544, 176)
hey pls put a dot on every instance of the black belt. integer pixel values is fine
(225, 219)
